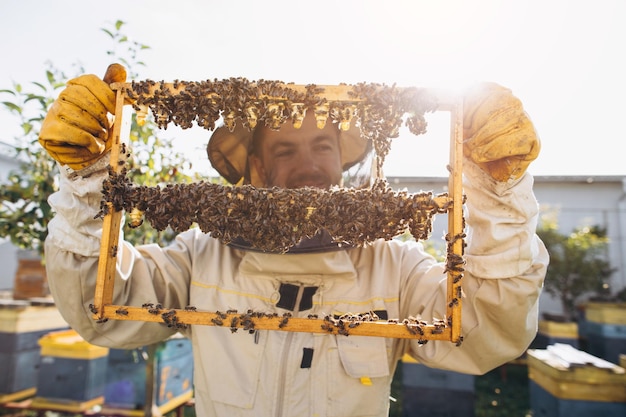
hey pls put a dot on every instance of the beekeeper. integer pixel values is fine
(277, 373)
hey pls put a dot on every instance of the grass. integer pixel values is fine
(503, 393)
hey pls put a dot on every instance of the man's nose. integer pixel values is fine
(306, 160)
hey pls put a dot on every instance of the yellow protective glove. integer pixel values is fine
(498, 134)
(75, 131)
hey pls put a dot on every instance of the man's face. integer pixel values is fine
(294, 158)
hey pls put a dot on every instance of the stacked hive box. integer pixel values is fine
(72, 373)
(435, 392)
(551, 332)
(605, 325)
(566, 382)
(22, 324)
(159, 376)
(30, 277)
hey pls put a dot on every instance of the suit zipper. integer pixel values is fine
(285, 354)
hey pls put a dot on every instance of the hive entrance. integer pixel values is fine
(229, 213)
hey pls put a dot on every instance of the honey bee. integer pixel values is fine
(233, 324)
(121, 311)
(327, 327)
(284, 320)
(354, 324)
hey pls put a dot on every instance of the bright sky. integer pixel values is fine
(565, 59)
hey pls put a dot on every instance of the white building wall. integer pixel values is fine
(579, 201)
(8, 252)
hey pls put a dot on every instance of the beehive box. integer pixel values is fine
(606, 312)
(72, 372)
(566, 382)
(22, 324)
(435, 392)
(551, 332)
(161, 374)
(30, 277)
(606, 330)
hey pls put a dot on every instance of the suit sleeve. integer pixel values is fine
(144, 274)
(505, 266)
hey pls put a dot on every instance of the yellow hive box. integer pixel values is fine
(568, 373)
(610, 313)
(71, 373)
(560, 330)
(69, 344)
(20, 316)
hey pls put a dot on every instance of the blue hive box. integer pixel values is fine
(435, 392)
(166, 368)
(71, 371)
(22, 324)
(551, 332)
(606, 330)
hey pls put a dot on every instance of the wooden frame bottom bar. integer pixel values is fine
(251, 321)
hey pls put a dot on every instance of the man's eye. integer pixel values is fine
(325, 148)
(283, 153)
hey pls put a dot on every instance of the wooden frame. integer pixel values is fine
(448, 328)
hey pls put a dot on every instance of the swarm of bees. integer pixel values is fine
(275, 219)
(380, 110)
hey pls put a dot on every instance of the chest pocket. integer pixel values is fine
(235, 365)
(358, 377)
(363, 357)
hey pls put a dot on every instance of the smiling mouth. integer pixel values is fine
(311, 185)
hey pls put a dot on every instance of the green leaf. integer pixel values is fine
(108, 32)
(34, 97)
(50, 77)
(12, 106)
(40, 85)
(27, 128)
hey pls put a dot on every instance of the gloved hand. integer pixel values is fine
(498, 134)
(75, 131)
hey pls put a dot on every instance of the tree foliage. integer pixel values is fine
(578, 263)
(24, 209)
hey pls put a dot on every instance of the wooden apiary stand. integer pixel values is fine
(447, 330)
